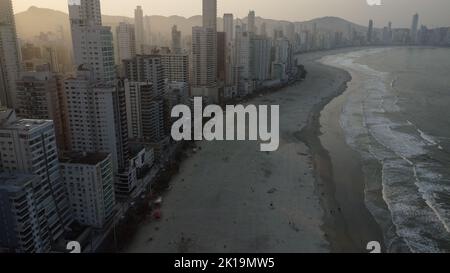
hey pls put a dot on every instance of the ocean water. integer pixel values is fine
(397, 116)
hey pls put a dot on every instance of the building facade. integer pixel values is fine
(89, 180)
(9, 55)
(29, 147)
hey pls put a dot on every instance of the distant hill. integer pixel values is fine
(332, 24)
(35, 20)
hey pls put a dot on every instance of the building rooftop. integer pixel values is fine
(83, 158)
(13, 182)
(27, 124)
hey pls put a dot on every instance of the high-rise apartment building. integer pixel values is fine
(95, 105)
(204, 57)
(370, 32)
(126, 41)
(9, 55)
(251, 22)
(91, 118)
(210, 14)
(23, 226)
(145, 112)
(139, 28)
(176, 67)
(92, 43)
(414, 28)
(29, 146)
(204, 54)
(221, 56)
(176, 40)
(228, 27)
(147, 68)
(261, 56)
(89, 180)
(39, 96)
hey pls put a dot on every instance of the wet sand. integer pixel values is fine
(230, 197)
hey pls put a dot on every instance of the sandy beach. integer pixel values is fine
(231, 197)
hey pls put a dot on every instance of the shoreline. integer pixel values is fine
(325, 187)
(337, 226)
(274, 204)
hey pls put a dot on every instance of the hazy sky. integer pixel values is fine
(433, 12)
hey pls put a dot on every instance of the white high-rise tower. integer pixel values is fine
(95, 101)
(204, 53)
(92, 42)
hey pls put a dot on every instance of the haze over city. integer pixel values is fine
(247, 128)
(434, 12)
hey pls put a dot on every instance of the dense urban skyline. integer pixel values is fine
(397, 11)
(96, 119)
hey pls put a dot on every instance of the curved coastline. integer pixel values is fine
(280, 202)
(348, 224)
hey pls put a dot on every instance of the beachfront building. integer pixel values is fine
(244, 61)
(91, 118)
(261, 56)
(24, 227)
(145, 112)
(29, 146)
(89, 180)
(414, 28)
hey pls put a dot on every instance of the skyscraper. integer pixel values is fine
(228, 27)
(20, 199)
(139, 27)
(210, 14)
(126, 41)
(204, 53)
(176, 40)
(370, 32)
(9, 55)
(39, 97)
(96, 107)
(261, 54)
(251, 22)
(89, 180)
(92, 42)
(147, 68)
(29, 147)
(91, 118)
(221, 56)
(414, 28)
(204, 56)
(176, 67)
(144, 92)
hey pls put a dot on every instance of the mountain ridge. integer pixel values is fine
(36, 20)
